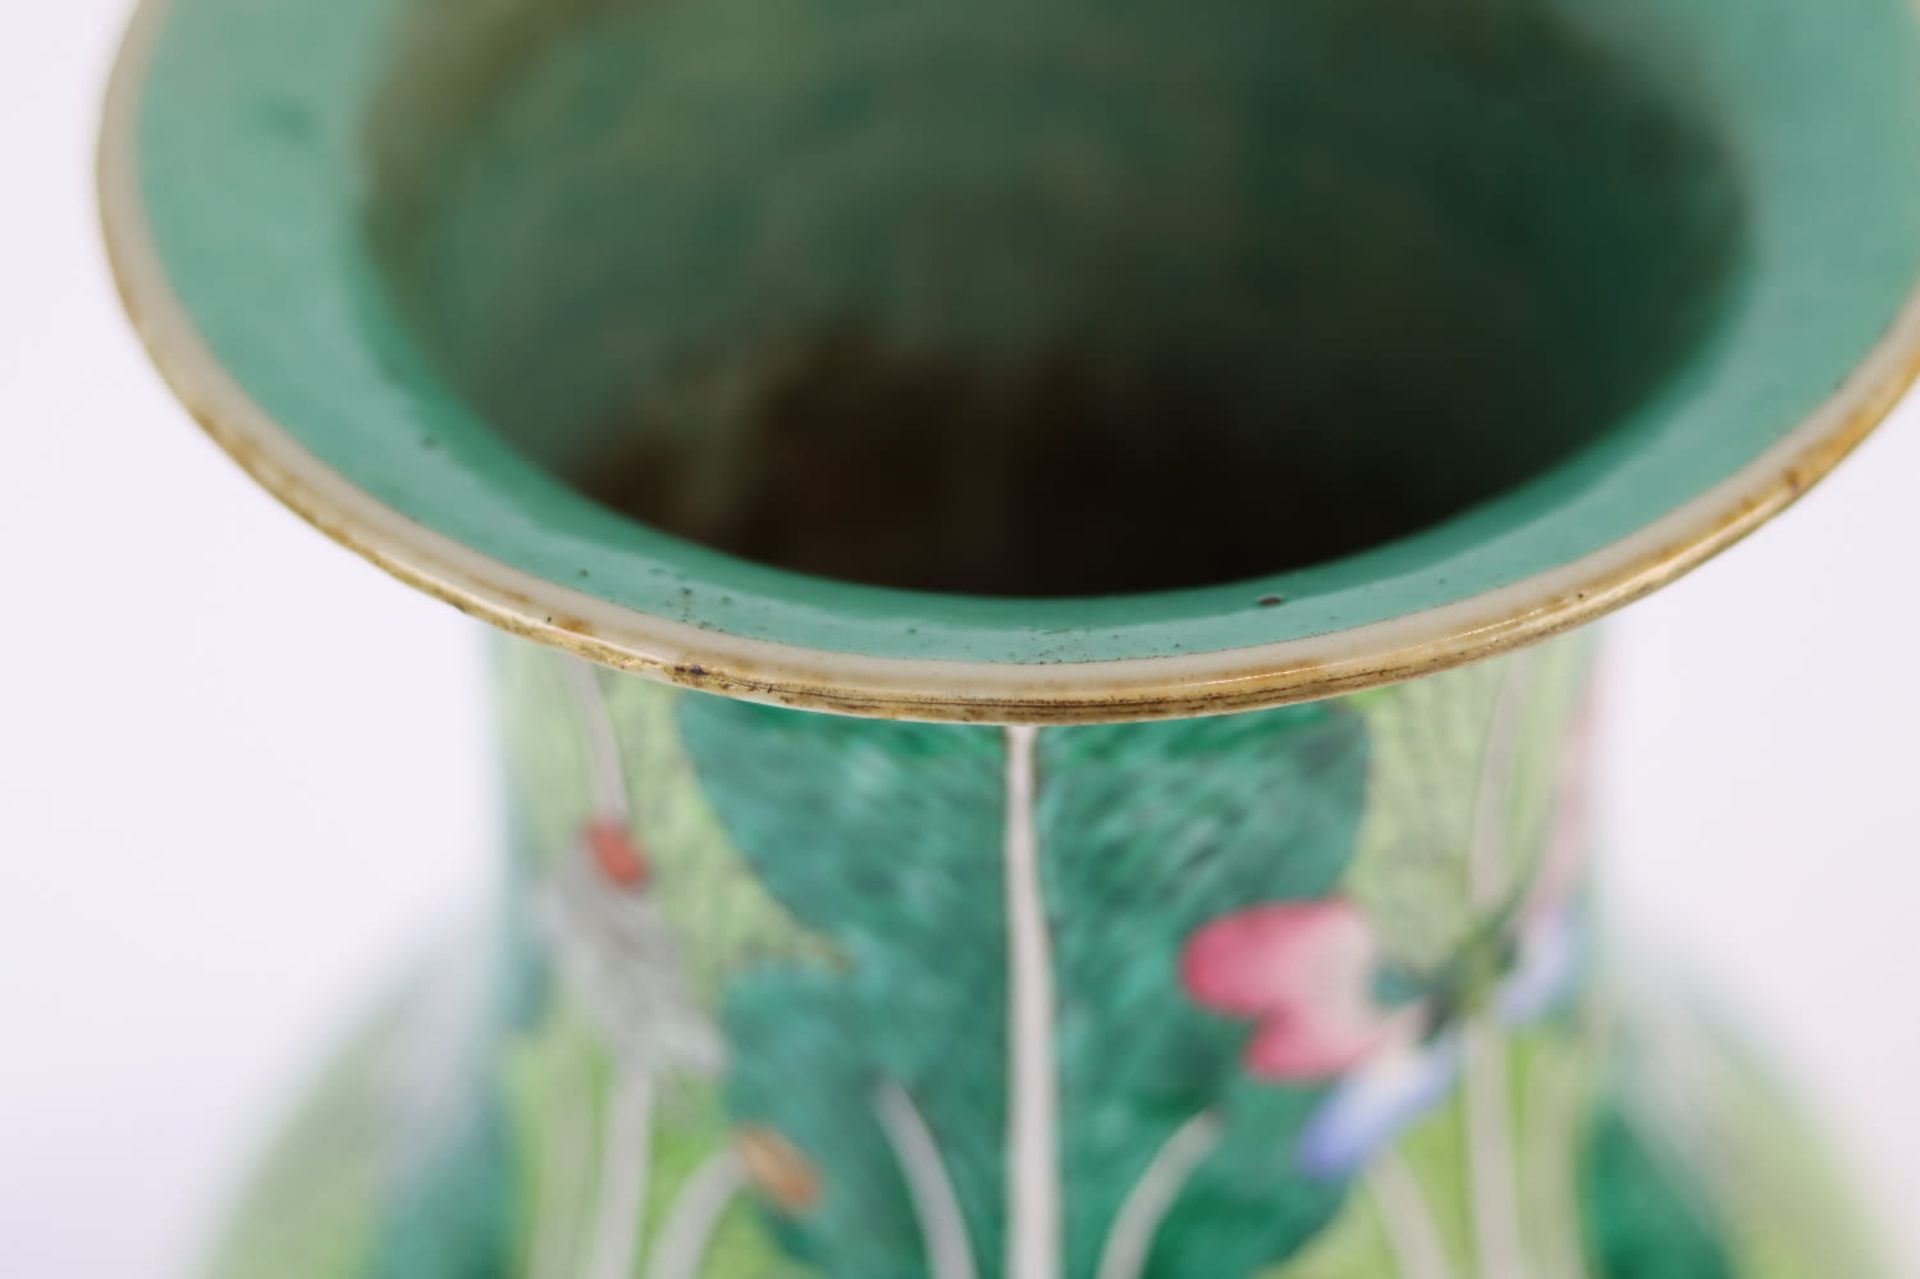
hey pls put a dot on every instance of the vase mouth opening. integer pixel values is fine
(1037, 365)
(1132, 312)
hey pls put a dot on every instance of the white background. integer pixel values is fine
(243, 776)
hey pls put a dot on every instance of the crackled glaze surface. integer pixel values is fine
(1307, 993)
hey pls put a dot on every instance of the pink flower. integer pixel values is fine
(1304, 971)
(1309, 976)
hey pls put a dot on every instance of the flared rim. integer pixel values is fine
(1148, 687)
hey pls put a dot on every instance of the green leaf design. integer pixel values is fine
(726, 920)
(318, 1203)
(545, 756)
(1148, 832)
(453, 1219)
(1789, 1210)
(556, 1076)
(889, 839)
(1352, 1246)
(1551, 1097)
(451, 1206)
(553, 1074)
(1727, 1134)
(1646, 1218)
(721, 917)
(1412, 872)
(401, 1164)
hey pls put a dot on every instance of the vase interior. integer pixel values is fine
(862, 292)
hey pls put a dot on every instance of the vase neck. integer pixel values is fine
(969, 960)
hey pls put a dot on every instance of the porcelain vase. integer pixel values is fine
(1043, 551)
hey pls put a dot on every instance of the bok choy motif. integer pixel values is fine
(965, 874)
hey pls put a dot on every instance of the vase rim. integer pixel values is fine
(1068, 689)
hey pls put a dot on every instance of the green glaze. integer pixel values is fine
(480, 1129)
(1723, 290)
(886, 869)
(1183, 816)
(1363, 307)
(1148, 834)
(1653, 1225)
